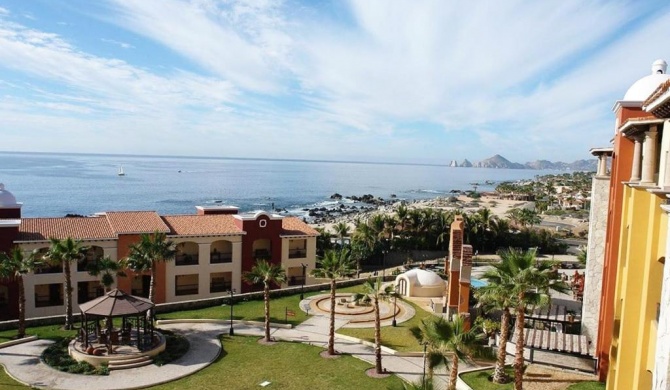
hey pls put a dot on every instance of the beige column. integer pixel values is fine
(602, 165)
(649, 156)
(637, 160)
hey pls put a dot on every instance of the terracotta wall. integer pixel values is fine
(254, 231)
(124, 283)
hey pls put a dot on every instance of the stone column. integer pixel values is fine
(637, 160)
(595, 254)
(602, 165)
(662, 359)
(649, 156)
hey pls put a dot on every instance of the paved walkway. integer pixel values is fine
(23, 361)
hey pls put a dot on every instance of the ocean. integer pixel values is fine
(59, 184)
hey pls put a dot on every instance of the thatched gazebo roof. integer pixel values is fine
(116, 303)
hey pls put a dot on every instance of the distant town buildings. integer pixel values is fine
(215, 247)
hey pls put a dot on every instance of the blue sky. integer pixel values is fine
(400, 81)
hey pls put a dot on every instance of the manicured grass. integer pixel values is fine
(254, 310)
(587, 386)
(51, 332)
(244, 364)
(480, 380)
(398, 338)
(6, 382)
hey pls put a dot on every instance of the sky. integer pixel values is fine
(392, 81)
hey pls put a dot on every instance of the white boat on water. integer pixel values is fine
(121, 173)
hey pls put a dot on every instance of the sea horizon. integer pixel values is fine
(52, 184)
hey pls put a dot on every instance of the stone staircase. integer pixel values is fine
(133, 362)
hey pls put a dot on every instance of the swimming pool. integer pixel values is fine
(476, 283)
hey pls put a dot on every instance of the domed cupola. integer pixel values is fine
(644, 87)
(9, 208)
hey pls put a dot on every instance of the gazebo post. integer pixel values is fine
(84, 327)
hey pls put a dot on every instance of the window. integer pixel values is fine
(48, 295)
(186, 284)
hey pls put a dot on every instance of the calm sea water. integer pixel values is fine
(58, 184)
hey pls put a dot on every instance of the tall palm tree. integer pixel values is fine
(372, 289)
(266, 274)
(106, 269)
(334, 265)
(528, 283)
(14, 266)
(495, 295)
(323, 241)
(342, 230)
(145, 255)
(64, 253)
(448, 340)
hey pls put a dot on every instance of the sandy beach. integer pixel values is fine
(498, 207)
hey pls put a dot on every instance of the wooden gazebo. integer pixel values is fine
(115, 304)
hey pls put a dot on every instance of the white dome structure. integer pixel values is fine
(420, 283)
(644, 87)
(7, 199)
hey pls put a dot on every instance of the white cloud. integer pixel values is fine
(122, 45)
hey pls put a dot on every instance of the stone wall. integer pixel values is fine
(595, 259)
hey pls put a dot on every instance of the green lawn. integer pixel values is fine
(480, 380)
(254, 310)
(6, 382)
(244, 364)
(398, 338)
(51, 332)
(587, 386)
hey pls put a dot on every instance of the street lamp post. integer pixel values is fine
(302, 285)
(423, 378)
(231, 332)
(395, 300)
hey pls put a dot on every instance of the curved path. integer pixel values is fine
(23, 362)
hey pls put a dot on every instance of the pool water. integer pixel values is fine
(476, 283)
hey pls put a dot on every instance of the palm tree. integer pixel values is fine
(333, 266)
(64, 253)
(106, 269)
(373, 290)
(342, 230)
(495, 295)
(528, 283)
(145, 255)
(323, 241)
(267, 274)
(14, 266)
(448, 340)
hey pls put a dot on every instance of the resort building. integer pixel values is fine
(632, 333)
(215, 246)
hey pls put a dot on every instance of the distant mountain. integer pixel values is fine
(499, 161)
(453, 163)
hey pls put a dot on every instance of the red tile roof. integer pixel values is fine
(128, 222)
(41, 229)
(201, 225)
(292, 226)
(660, 90)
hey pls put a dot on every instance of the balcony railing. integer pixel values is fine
(186, 289)
(47, 300)
(218, 258)
(219, 286)
(262, 254)
(48, 269)
(186, 259)
(297, 253)
(296, 280)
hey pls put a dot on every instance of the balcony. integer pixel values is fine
(296, 280)
(186, 289)
(219, 286)
(186, 259)
(48, 269)
(218, 258)
(297, 253)
(262, 254)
